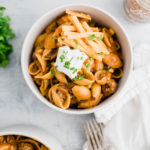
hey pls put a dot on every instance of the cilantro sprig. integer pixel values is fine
(67, 64)
(74, 69)
(6, 33)
(62, 57)
(92, 37)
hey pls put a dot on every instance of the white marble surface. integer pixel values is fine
(17, 104)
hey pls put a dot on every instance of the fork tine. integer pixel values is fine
(91, 136)
(99, 132)
(87, 137)
(101, 127)
(98, 142)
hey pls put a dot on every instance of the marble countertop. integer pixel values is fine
(17, 104)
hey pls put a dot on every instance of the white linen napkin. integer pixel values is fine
(125, 132)
(137, 83)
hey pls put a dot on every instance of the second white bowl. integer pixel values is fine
(34, 133)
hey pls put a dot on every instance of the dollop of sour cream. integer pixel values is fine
(70, 61)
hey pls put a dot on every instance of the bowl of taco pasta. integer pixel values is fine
(77, 59)
(21, 137)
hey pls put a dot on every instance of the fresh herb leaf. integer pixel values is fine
(6, 33)
(92, 37)
(87, 65)
(71, 58)
(75, 78)
(53, 40)
(85, 71)
(90, 58)
(63, 39)
(74, 69)
(88, 86)
(62, 57)
(101, 38)
(65, 52)
(81, 58)
(56, 66)
(111, 70)
(81, 77)
(53, 72)
(100, 53)
(67, 64)
(77, 43)
(48, 65)
(101, 69)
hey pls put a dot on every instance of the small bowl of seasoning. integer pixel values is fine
(137, 10)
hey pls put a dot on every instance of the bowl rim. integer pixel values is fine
(76, 111)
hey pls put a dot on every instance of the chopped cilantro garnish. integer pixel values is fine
(48, 65)
(53, 72)
(65, 52)
(56, 66)
(87, 65)
(81, 77)
(85, 71)
(75, 78)
(62, 57)
(77, 43)
(81, 58)
(92, 37)
(88, 86)
(111, 70)
(90, 58)
(63, 39)
(67, 64)
(71, 58)
(101, 69)
(100, 53)
(101, 38)
(53, 39)
(74, 69)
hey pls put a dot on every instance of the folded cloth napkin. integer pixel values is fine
(138, 82)
(128, 128)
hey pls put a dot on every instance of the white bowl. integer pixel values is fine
(99, 16)
(34, 133)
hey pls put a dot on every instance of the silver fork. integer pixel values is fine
(94, 135)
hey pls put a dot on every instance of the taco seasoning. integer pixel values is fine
(137, 10)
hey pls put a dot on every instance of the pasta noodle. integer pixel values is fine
(17, 142)
(100, 72)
